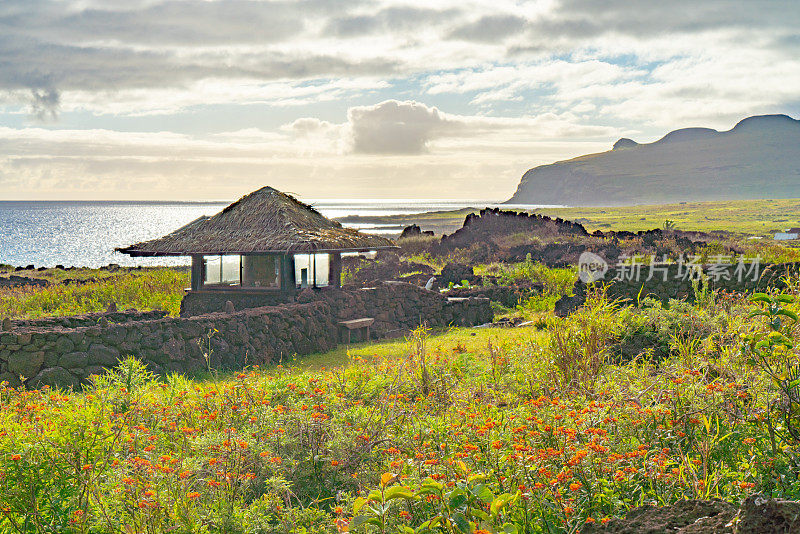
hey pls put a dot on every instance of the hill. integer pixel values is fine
(758, 158)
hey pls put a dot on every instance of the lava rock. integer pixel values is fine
(55, 377)
(25, 364)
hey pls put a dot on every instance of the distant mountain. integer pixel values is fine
(758, 158)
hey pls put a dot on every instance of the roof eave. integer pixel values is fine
(152, 254)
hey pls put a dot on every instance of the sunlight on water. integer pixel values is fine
(86, 233)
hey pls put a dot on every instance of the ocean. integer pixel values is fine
(85, 233)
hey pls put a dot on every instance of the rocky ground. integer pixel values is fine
(757, 515)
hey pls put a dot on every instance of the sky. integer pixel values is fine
(211, 99)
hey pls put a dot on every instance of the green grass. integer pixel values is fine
(743, 217)
(470, 341)
(753, 217)
(144, 290)
(504, 430)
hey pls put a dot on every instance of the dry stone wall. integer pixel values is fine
(399, 306)
(200, 302)
(64, 352)
(90, 319)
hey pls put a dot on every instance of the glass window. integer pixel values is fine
(213, 270)
(302, 270)
(312, 270)
(261, 271)
(222, 270)
(322, 268)
(231, 270)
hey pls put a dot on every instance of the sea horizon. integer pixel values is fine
(84, 233)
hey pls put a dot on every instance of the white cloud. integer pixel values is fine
(384, 93)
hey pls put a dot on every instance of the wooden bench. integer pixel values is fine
(357, 324)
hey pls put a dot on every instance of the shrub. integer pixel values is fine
(658, 331)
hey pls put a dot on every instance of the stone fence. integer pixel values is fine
(89, 319)
(64, 352)
(399, 306)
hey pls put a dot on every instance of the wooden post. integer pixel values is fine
(288, 283)
(335, 274)
(197, 272)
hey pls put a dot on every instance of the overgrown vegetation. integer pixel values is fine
(497, 430)
(147, 289)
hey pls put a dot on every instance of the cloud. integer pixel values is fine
(44, 104)
(306, 92)
(130, 53)
(372, 153)
(412, 128)
(394, 127)
(390, 19)
(490, 28)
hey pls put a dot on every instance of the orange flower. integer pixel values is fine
(87, 467)
(386, 478)
(16, 457)
(192, 495)
(342, 525)
(334, 463)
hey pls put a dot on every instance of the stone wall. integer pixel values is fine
(90, 319)
(399, 306)
(59, 356)
(201, 302)
(64, 352)
(672, 281)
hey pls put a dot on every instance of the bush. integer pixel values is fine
(657, 331)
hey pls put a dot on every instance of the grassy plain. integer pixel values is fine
(541, 429)
(470, 430)
(753, 217)
(141, 289)
(738, 217)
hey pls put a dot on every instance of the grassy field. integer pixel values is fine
(754, 217)
(141, 289)
(742, 217)
(538, 430)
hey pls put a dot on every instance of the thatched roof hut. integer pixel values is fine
(265, 241)
(264, 221)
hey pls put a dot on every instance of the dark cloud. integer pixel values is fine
(172, 22)
(396, 19)
(48, 46)
(44, 104)
(51, 47)
(48, 68)
(490, 28)
(589, 18)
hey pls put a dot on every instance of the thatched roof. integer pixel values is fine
(263, 221)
